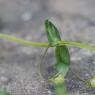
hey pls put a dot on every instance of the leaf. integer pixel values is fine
(62, 54)
(62, 68)
(63, 59)
(4, 92)
(52, 33)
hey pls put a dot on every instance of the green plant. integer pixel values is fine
(4, 92)
(92, 82)
(61, 52)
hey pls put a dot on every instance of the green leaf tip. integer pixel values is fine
(52, 33)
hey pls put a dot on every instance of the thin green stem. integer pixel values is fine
(22, 41)
(77, 44)
(39, 44)
(77, 76)
(81, 79)
(43, 56)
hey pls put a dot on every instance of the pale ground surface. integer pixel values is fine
(19, 72)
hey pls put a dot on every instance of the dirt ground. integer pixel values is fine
(19, 72)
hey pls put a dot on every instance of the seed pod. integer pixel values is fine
(52, 33)
(92, 82)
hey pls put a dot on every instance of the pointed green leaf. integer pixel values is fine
(52, 33)
(62, 54)
(63, 60)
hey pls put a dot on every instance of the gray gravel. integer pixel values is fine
(19, 65)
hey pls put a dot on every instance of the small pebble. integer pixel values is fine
(4, 80)
(26, 16)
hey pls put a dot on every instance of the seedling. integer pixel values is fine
(61, 53)
(4, 92)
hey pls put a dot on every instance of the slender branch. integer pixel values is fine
(43, 56)
(81, 79)
(39, 44)
(22, 41)
(77, 44)
(77, 76)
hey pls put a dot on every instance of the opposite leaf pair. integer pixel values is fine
(61, 52)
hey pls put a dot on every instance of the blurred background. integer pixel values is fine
(19, 72)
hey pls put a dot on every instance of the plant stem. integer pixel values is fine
(43, 56)
(77, 76)
(22, 41)
(83, 80)
(77, 44)
(39, 44)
